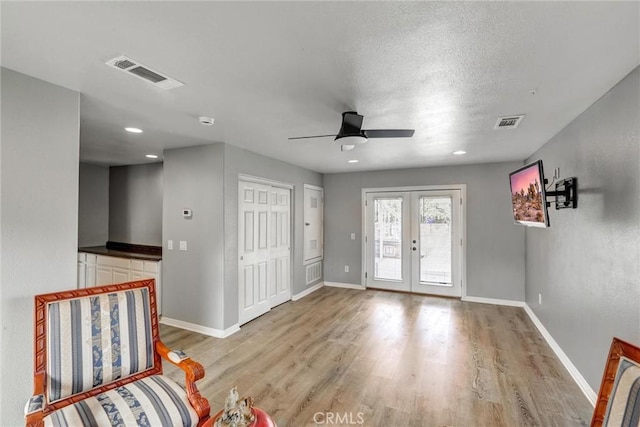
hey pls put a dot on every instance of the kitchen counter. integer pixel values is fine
(103, 250)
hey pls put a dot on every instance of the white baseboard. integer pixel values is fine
(344, 285)
(212, 332)
(573, 371)
(307, 291)
(493, 301)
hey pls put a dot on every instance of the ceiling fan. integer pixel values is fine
(351, 133)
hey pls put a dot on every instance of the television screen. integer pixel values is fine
(528, 196)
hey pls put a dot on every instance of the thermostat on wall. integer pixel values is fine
(186, 213)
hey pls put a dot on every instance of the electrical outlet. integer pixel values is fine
(170, 245)
(540, 299)
(183, 245)
(346, 268)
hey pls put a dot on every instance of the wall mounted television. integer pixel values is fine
(528, 198)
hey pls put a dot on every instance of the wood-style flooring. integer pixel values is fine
(375, 358)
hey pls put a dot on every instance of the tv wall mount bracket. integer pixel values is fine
(566, 194)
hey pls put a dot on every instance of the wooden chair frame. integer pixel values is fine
(193, 370)
(618, 349)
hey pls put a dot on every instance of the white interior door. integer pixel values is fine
(313, 222)
(280, 246)
(414, 241)
(264, 248)
(253, 249)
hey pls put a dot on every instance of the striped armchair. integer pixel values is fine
(98, 362)
(618, 402)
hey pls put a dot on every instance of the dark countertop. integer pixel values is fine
(102, 250)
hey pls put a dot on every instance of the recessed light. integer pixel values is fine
(354, 161)
(206, 121)
(151, 156)
(133, 130)
(459, 152)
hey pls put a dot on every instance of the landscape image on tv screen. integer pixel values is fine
(527, 196)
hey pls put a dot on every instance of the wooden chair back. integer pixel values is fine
(88, 341)
(618, 402)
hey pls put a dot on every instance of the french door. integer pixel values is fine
(264, 248)
(414, 241)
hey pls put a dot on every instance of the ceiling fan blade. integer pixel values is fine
(388, 133)
(314, 136)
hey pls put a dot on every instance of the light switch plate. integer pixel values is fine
(170, 245)
(353, 236)
(183, 245)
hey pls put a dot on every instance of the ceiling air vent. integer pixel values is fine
(509, 122)
(139, 70)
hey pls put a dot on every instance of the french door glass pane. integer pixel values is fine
(388, 238)
(435, 240)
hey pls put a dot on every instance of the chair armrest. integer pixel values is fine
(33, 410)
(193, 372)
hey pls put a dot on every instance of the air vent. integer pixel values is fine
(314, 272)
(509, 122)
(141, 71)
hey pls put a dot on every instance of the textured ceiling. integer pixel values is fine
(267, 71)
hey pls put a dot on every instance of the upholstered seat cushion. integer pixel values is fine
(624, 402)
(152, 401)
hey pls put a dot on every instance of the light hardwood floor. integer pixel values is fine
(376, 358)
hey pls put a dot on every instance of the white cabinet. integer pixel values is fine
(97, 270)
(104, 275)
(120, 275)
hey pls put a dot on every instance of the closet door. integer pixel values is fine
(279, 246)
(253, 250)
(264, 248)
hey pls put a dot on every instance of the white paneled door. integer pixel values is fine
(414, 241)
(313, 223)
(264, 272)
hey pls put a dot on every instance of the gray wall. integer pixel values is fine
(586, 265)
(495, 246)
(135, 204)
(38, 219)
(93, 205)
(201, 285)
(192, 280)
(246, 162)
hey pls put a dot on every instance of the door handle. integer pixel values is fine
(306, 223)
(241, 258)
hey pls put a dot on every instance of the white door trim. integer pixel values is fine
(266, 181)
(463, 216)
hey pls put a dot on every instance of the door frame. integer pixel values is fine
(273, 183)
(463, 219)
